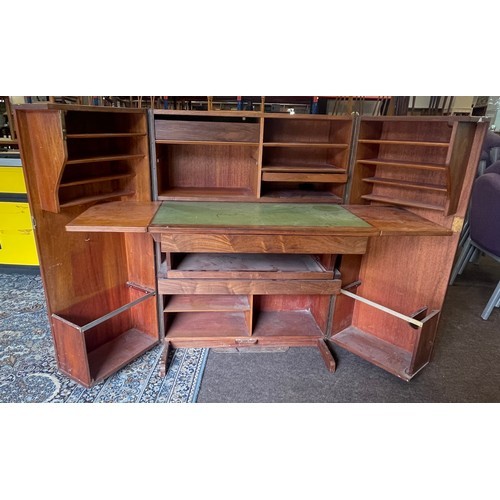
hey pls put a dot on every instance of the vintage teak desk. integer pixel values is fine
(244, 230)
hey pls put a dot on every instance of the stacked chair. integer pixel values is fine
(483, 228)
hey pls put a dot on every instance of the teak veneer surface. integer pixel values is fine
(119, 216)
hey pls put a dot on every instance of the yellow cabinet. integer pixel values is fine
(17, 242)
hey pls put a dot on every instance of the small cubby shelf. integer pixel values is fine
(411, 162)
(104, 342)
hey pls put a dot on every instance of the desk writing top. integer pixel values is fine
(254, 218)
(316, 218)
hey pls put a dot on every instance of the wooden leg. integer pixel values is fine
(327, 356)
(164, 358)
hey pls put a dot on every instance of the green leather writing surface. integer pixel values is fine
(187, 213)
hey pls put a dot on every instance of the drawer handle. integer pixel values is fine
(246, 341)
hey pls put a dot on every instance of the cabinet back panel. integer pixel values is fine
(423, 154)
(179, 130)
(289, 130)
(417, 131)
(92, 122)
(199, 166)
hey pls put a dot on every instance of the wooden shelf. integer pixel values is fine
(403, 164)
(92, 180)
(195, 325)
(325, 145)
(89, 199)
(300, 196)
(300, 177)
(249, 266)
(405, 143)
(406, 203)
(405, 184)
(113, 355)
(377, 351)
(286, 324)
(209, 143)
(101, 159)
(115, 216)
(320, 168)
(105, 135)
(207, 303)
(206, 194)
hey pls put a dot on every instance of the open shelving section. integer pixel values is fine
(305, 158)
(412, 162)
(95, 155)
(204, 155)
(100, 280)
(251, 156)
(411, 179)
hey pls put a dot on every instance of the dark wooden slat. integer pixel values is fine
(404, 164)
(406, 203)
(405, 143)
(92, 180)
(327, 356)
(101, 159)
(207, 303)
(90, 199)
(405, 184)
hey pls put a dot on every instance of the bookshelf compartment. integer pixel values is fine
(314, 131)
(106, 147)
(199, 326)
(207, 303)
(203, 171)
(102, 334)
(91, 122)
(416, 131)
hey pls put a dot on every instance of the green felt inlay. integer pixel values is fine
(182, 213)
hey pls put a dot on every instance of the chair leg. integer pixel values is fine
(462, 260)
(493, 302)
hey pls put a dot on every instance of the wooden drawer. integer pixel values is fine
(248, 287)
(263, 243)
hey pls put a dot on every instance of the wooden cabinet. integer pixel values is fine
(100, 287)
(245, 229)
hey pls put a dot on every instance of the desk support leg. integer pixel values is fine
(327, 356)
(164, 358)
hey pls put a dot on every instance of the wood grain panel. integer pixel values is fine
(242, 243)
(71, 352)
(44, 154)
(246, 287)
(179, 130)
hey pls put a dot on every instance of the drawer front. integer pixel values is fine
(248, 287)
(17, 242)
(235, 243)
(303, 177)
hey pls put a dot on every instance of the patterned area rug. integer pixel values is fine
(28, 370)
